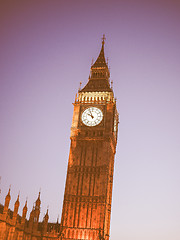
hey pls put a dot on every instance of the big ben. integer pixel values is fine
(88, 190)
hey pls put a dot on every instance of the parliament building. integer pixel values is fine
(86, 208)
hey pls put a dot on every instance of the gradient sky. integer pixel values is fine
(46, 49)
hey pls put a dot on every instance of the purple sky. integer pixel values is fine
(46, 49)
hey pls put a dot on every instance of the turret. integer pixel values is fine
(24, 212)
(57, 226)
(31, 218)
(38, 201)
(7, 201)
(37, 211)
(45, 222)
(16, 207)
(37, 207)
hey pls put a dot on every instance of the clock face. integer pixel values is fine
(92, 116)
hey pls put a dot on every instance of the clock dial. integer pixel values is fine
(92, 116)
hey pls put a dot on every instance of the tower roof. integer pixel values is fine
(100, 61)
(99, 78)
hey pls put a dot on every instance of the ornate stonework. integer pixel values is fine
(16, 227)
(88, 191)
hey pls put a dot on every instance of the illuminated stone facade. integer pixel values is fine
(88, 191)
(16, 227)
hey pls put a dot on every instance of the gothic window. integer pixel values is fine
(68, 233)
(81, 234)
(72, 234)
(85, 234)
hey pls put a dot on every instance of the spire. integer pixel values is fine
(103, 39)
(16, 207)
(7, 201)
(8, 197)
(25, 206)
(31, 217)
(57, 220)
(46, 217)
(99, 77)
(37, 210)
(24, 210)
(45, 221)
(17, 201)
(38, 201)
(100, 62)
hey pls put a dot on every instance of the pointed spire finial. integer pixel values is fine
(18, 196)
(16, 204)
(7, 200)
(39, 195)
(8, 195)
(47, 211)
(103, 39)
(58, 218)
(38, 201)
(80, 86)
(24, 211)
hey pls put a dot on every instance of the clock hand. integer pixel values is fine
(91, 115)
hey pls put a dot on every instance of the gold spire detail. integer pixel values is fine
(103, 39)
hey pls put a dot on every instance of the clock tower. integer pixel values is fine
(88, 192)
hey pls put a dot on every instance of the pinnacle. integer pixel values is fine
(100, 62)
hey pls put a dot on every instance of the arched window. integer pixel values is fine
(85, 234)
(72, 236)
(76, 234)
(68, 233)
(81, 234)
(93, 235)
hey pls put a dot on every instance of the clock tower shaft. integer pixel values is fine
(88, 191)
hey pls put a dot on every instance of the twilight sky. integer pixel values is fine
(46, 49)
